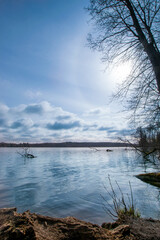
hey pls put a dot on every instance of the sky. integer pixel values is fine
(53, 87)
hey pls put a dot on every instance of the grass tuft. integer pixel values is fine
(121, 207)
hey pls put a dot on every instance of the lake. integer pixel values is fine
(64, 182)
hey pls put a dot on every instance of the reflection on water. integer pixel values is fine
(70, 181)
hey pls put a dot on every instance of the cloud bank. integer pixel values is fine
(44, 122)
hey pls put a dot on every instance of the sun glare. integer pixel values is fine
(121, 71)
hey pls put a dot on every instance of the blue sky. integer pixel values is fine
(53, 87)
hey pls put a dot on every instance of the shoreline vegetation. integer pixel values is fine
(24, 226)
(67, 144)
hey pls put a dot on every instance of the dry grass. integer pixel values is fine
(122, 206)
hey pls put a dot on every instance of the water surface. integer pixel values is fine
(64, 182)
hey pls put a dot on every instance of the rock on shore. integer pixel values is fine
(30, 226)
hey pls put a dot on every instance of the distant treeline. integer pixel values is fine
(66, 144)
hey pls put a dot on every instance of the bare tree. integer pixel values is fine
(129, 30)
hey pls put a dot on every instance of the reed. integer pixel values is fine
(123, 205)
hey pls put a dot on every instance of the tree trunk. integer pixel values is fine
(154, 57)
(153, 54)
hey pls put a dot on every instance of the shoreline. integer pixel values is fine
(31, 226)
(67, 144)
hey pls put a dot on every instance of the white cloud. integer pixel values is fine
(3, 109)
(43, 121)
(98, 112)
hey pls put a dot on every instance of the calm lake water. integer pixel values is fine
(64, 182)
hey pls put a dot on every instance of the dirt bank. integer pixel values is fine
(30, 226)
(151, 178)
